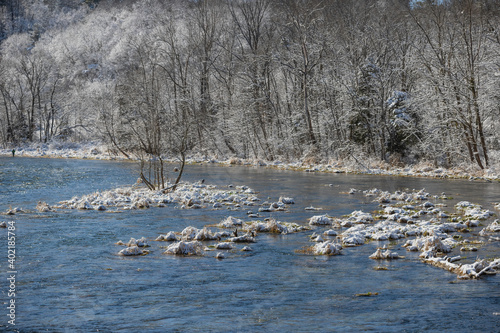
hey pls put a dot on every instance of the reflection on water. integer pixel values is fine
(70, 278)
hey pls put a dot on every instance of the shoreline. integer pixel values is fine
(92, 151)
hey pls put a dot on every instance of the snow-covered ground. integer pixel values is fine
(89, 150)
(93, 150)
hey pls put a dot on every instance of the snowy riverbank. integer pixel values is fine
(100, 151)
(63, 150)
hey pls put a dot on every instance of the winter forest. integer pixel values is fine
(397, 81)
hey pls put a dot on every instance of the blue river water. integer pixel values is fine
(70, 278)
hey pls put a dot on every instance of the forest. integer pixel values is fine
(399, 81)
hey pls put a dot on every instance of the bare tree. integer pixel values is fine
(303, 50)
(455, 39)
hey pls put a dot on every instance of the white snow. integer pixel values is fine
(185, 248)
(170, 236)
(132, 251)
(327, 248)
(387, 254)
(320, 220)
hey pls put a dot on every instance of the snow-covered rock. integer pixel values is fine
(320, 220)
(327, 248)
(185, 248)
(387, 254)
(477, 213)
(493, 227)
(430, 245)
(223, 246)
(273, 226)
(132, 251)
(353, 239)
(43, 207)
(141, 242)
(230, 222)
(188, 233)
(287, 200)
(170, 236)
(205, 235)
(245, 238)
(330, 233)
(466, 271)
(359, 216)
(84, 205)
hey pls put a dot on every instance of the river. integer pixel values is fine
(70, 278)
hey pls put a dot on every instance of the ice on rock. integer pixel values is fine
(189, 233)
(473, 211)
(100, 207)
(43, 207)
(185, 248)
(466, 271)
(188, 195)
(230, 222)
(394, 210)
(248, 237)
(132, 251)
(141, 203)
(428, 205)
(273, 226)
(430, 245)
(142, 242)
(286, 200)
(275, 206)
(317, 238)
(312, 208)
(171, 236)
(320, 220)
(359, 216)
(493, 227)
(443, 262)
(330, 233)
(372, 192)
(439, 213)
(464, 204)
(353, 239)
(84, 205)
(387, 254)
(224, 246)
(327, 248)
(477, 213)
(205, 235)
(479, 268)
(386, 235)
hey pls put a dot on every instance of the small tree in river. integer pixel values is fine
(153, 116)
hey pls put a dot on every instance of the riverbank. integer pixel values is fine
(89, 150)
(100, 151)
